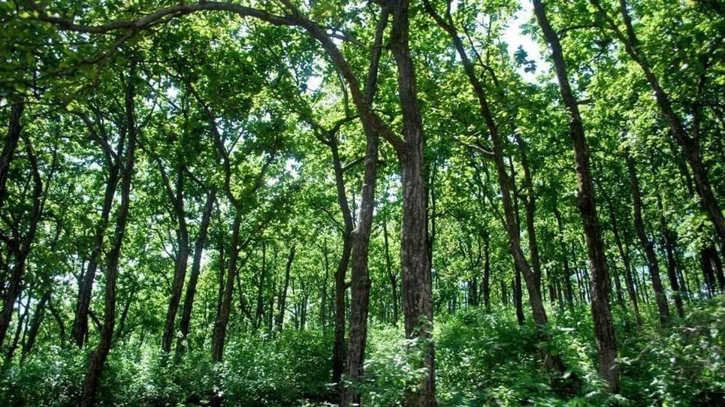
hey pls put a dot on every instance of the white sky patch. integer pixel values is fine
(514, 37)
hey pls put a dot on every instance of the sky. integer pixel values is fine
(515, 38)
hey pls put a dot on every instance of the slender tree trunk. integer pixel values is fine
(647, 245)
(392, 277)
(603, 325)
(259, 314)
(225, 308)
(565, 258)
(20, 247)
(11, 144)
(79, 330)
(531, 276)
(182, 259)
(360, 285)
(689, 143)
(624, 256)
(185, 323)
(283, 295)
(99, 355)
(38, 316)
(486, 284)
(518, 296)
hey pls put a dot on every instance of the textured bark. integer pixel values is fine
(647, 245)
(602, 316)
(185, 322)
(415, 256)
(98, 357)
(360, 284)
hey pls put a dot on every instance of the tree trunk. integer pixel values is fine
(392, 277)
(624, 256)
(79, 330)
(415, 260)
(532, 276)
(182, 258)
(38, 316)
(99, 355)
(486, 284)
(185, 323)
(283, 296)
(602, 316)
(360, 285)
(225, 307)
(567, 272)
(647, 245)
(11, 144)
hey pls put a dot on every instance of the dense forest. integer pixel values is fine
(376, 203)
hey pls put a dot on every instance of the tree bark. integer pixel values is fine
(99, 355)
(79, 330)
(283, 296)
(360, 284)
(182, 258)
(11, 144)
(225, 308)
(602, 316)
(647, 245)
(624, 256)
(185, 323)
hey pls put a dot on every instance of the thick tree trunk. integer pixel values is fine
(99, 355)
(415, 256)
(647, 245)
(603, 325)
(185, 323)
